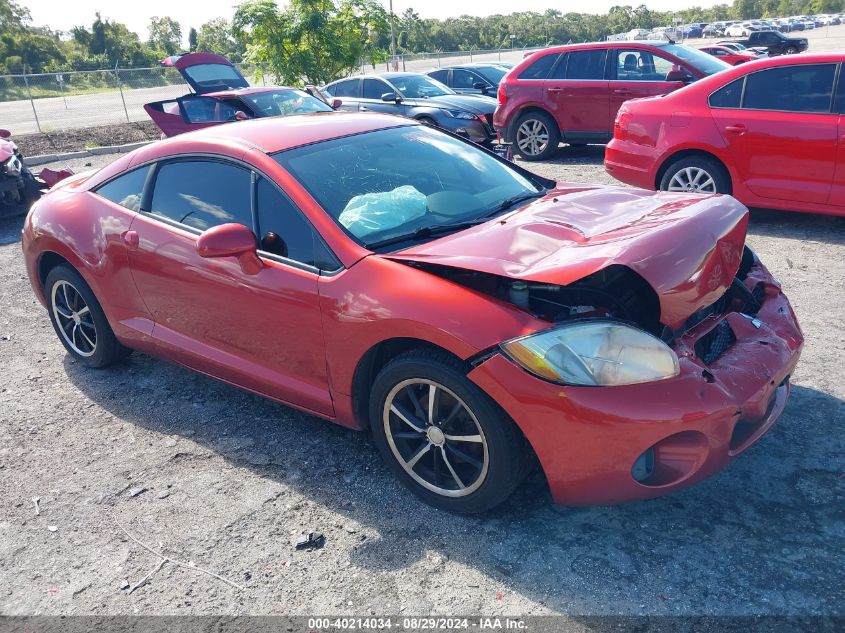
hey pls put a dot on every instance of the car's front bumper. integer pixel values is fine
(587, 439)
(477, 130)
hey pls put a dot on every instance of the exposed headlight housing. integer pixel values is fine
(594, 353)
(460, 114)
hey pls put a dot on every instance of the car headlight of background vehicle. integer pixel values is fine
(594, 353)
(459, 114)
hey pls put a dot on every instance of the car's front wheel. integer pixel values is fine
(790, 50)
(536, 136)
(79, 321)
(696, 174)
(443, 437)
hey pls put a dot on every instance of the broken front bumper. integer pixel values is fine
(588, 439)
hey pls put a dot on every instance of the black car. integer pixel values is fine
(420, 97)
(471, 78)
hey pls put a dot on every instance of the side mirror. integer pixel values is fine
(391, 96)
(5, 133)
(480, 85)
(679, 75)
(240, 115)
(231, 240)
(336, 103)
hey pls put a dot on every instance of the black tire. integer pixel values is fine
(496, 461)
(31, 189)
(533, 120)
(105, 349)
(790, 50)
(711, 167)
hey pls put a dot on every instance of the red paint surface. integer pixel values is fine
(298, 337)
(779, 160)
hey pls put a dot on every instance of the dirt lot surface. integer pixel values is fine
(77, 139)
(225, 481)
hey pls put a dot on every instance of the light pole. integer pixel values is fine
(392, 40)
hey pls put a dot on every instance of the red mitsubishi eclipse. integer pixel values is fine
(768, 132)
(393, 278)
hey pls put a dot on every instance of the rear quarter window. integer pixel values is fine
(729, 96)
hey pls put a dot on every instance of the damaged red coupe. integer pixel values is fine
(475, 318)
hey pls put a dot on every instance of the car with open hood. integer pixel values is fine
(476, 319)
(419, 97)
(221, 94)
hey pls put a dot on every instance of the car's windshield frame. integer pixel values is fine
(376, 242)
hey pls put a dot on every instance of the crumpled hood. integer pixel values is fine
(470, 103)
(7, 148)
(687, 247)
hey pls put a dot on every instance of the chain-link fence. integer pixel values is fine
(59, 101)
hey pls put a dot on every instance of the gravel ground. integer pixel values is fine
(225, 481)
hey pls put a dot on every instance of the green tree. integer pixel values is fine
(313, 41)
(192, 39)
(216, 36)
(165, 35)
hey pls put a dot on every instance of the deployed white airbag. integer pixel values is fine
(376, 212)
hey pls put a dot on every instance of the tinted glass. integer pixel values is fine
(126, 190)
(344, 89)
(374, 196)
(374, 89)
(728, 96)
(282, 228)
(207, 110)
(706, 64)
(493, 74)
(419, 86)
(637, 65)
(586, 64)
(559, 71)
(283, 102)
(799, 88)
(202, 194)
(839, 105)
(215, 76)
(465, 79)
(540, 68)
(439, 75)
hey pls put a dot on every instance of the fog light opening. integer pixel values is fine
(643, 468)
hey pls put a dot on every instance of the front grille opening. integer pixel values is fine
(715, 343)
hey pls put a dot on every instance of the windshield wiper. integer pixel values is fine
(507, 203)
(423, 231)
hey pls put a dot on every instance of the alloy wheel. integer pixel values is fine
(532, 137)
(76, 323)
(435, 437)
(692, 179)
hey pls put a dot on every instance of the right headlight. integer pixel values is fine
(594, 353)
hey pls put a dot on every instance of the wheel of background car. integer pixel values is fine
(536, 136)
(696, 174)
(442, 436)
(79, 321)
(790, 50)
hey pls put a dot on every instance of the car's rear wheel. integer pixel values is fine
(536, 136)
(79, 321)
(442, 436)
(696, 174)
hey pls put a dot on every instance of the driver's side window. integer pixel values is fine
(202, 194)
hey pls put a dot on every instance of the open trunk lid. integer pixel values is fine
(206, 72)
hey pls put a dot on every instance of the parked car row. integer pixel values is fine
(732, 28)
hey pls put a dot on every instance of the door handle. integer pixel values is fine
(130, 238)
(363, 108)
(739, 129)
(555, 89)
(621, 92)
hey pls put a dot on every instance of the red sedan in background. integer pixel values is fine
(388, 276)
(728, 56)
(767, 132)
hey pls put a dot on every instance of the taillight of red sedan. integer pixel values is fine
(502, 93)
